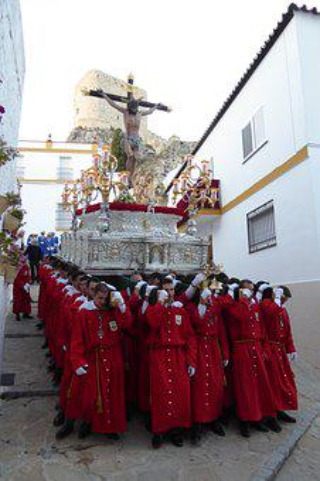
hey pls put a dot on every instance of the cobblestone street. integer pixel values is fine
(29, 450)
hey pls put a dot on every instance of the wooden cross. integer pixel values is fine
(119, 98)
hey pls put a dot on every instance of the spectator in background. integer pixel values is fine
(21, 291)
(56, 242)
(52, 243)
(43, 243)
(34, 254)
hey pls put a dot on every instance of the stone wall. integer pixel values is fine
(11, 85)
(92, 112)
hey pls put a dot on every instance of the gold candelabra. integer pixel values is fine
(195, 186)
(98, 180)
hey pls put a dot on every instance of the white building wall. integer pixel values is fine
(276, 86)
(296, 257)
(12, 76)
(280, 85)
(40, 193)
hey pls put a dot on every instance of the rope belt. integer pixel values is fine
(276, 342)
(244, 341)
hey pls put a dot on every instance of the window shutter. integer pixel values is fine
(247, 140)
(259, 128)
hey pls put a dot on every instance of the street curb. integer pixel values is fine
(22, 336)
(8, 395)
(269, 470)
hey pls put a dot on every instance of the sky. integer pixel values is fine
(188, 55)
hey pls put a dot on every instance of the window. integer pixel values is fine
(261, 228)
(253, 134)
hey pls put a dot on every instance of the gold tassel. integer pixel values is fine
(99, 398)
(70, 387)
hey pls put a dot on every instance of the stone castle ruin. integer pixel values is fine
(95, 117)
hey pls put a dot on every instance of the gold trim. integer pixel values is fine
(296, 159)
(208, 211)
(43, 181)
(52, 150)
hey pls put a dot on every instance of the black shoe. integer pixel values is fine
(66, 429)
(195, 434)
(261, 427)
(147, 422)
(84, 430)
(225, 419)
(40, 325)
(217, 428)
(273, 425)
(59, 418)
(177, 440)
(45, 345)
(113, 436)
(156, 441)
(27, 316)
(244, 429)
(18, 318)
(283, 416)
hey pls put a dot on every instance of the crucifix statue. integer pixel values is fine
(132, 115)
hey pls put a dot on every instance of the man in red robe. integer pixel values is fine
(280, 351)
(172, 364)
(207, 385)
(21, 291)
(252, 388)
(96, 354)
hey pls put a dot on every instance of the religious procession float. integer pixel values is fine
(123, 222)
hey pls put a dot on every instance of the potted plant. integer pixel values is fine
(6, 153)
(13, 219)
(8, 200)
(12, 264)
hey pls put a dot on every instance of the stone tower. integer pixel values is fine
(94, 113)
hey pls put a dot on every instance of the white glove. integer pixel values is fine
(139, 285)
(231, 289)
(27, 288)
(81, 370)
(162, 295)
(177, 304)
(225, 362)
(206, 293)
(198, 279)
(64, 348)
(117, 297)
(149, 289)
(292, 356)
(259, 297)
(278, 292)
(144, 307)
(191, 371)
(246, 293)
(278, 301)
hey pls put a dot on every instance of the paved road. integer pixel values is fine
(29, 451)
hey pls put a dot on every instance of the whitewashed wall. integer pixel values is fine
(12, 69)
(40, 199)
(284, 84)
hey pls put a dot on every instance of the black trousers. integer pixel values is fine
(34, 266)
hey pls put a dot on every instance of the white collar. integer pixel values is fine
(88, 305)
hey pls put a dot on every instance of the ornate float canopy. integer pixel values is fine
(127, 230)
(137, 238)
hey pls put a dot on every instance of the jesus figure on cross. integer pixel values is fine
(132, 119)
